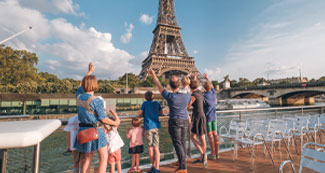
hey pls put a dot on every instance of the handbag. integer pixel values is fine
(87, 135)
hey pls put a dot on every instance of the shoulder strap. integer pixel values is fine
(86, 103)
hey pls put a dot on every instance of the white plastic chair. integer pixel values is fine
(236, 130)
(313, 159)
(255, 136)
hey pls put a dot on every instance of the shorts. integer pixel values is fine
(114, 157)
(212, 126)
(76, 155)
(136, 150)
(152, 137)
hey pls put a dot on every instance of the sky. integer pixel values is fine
(248, 38)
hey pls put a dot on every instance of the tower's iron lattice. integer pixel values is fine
(167, 55)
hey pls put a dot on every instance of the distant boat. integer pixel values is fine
(241, 104)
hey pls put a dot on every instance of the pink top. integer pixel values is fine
(136, 136)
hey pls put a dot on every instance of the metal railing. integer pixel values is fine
(20, 160)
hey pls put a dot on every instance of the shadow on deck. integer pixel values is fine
(262, 162)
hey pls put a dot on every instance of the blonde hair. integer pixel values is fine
(207, 86)
(186, 81)
(89, 83)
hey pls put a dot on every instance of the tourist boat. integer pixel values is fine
(241, 104)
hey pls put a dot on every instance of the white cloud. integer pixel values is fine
(214, 74)
(280, 45)
(126, 38)
(195, 52)
(53, 6)
(146, 19)
(63, 48)
(18, 18)
(144, 54)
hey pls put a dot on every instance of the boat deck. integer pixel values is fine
(225, 163)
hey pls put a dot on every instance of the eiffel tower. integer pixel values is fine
(167, 55)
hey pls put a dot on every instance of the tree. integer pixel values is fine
(215, 83)
(321, 79)
(17, 66)
(244, 82)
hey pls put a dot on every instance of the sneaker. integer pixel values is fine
(151, 170)
(155, 170)
(205, 160)
(212, 157)
(197, 161)
(181, 171)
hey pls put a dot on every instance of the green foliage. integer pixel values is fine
(17, 66)
(321, 79)
(215, 83)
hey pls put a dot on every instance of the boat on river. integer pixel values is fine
(230, 104)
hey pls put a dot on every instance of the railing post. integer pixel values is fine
(302, 111)
(276, 112)
(36, 158)
(322, 110)
(189, 142)
(3, 160)
(240, 115)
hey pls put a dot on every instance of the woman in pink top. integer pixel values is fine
(136, 143)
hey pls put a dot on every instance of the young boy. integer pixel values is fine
(150, 111)
(210, 100)
(114, 147)
(71, 134)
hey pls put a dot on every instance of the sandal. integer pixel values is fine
(131, 170)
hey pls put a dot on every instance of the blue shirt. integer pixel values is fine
(210, 101)
(177, 104)
(151, 111)
(84, 116)
(79, 91)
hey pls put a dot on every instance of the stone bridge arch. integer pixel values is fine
(171, 70)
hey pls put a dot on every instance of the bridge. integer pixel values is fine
(281, 94)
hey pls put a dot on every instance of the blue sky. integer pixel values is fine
(273, 38)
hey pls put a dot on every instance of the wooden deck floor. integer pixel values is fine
(243, 163)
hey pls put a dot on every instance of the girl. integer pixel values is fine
(136, 143)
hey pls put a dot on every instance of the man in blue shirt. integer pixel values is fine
(178, 117)
(210, 101)
(150, 111)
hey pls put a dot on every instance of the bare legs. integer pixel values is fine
(135, 161)
(154, 155)
(103, 156)
(118, 166)
(214, 142)
(199, 144)
(85, 167)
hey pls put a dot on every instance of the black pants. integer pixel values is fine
(177, 129)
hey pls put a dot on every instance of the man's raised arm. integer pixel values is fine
(156, 80)
(207, 78)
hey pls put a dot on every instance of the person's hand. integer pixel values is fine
(91, 68)
(127, 130)
(151, 71)
(112, 111)
(205, 76)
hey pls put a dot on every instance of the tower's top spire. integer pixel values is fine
(166, 14)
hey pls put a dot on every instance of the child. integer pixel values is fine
(114, 146)
(71, 134)
(150, 111)
(185, 85)
(136, 143)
